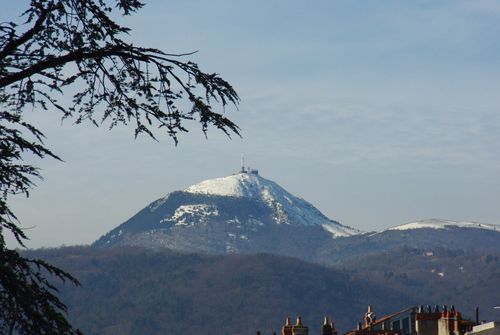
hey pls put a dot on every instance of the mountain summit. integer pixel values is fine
(242, 212)
(288, 208)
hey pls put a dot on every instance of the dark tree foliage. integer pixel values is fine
(73, 47)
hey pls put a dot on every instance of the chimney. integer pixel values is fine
(332, 324)
(369, 317)
(477, 315)
(327, 328)
(299, 329)
(287, 328)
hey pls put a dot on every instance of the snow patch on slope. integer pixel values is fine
(187, 215)
(444, 224)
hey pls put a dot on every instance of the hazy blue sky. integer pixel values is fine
(376, 112)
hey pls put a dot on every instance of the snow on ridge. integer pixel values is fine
(339, 231)
(248, 185)
(445, 224)
(158, 203)
(240, 185)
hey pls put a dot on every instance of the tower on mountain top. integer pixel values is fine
(242, 164)
(247, 169)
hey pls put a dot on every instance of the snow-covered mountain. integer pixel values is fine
(445, 224)
(242, 212)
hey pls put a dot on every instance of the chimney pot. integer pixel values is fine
(299, 321)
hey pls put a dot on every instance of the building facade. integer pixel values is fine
(410, 321)
(415, 321)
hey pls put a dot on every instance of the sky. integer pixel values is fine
(376, 112)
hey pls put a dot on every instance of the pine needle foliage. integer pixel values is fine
(74, 48)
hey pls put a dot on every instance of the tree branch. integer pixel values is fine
(54, 62)
(13, 44)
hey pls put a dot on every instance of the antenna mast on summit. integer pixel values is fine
(242, 163)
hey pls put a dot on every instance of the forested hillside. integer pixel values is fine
(141, 291)
(137, 291)
(440, 276)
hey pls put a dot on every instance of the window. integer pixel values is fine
(406, 326)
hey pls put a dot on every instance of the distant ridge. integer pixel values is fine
(445, 224)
